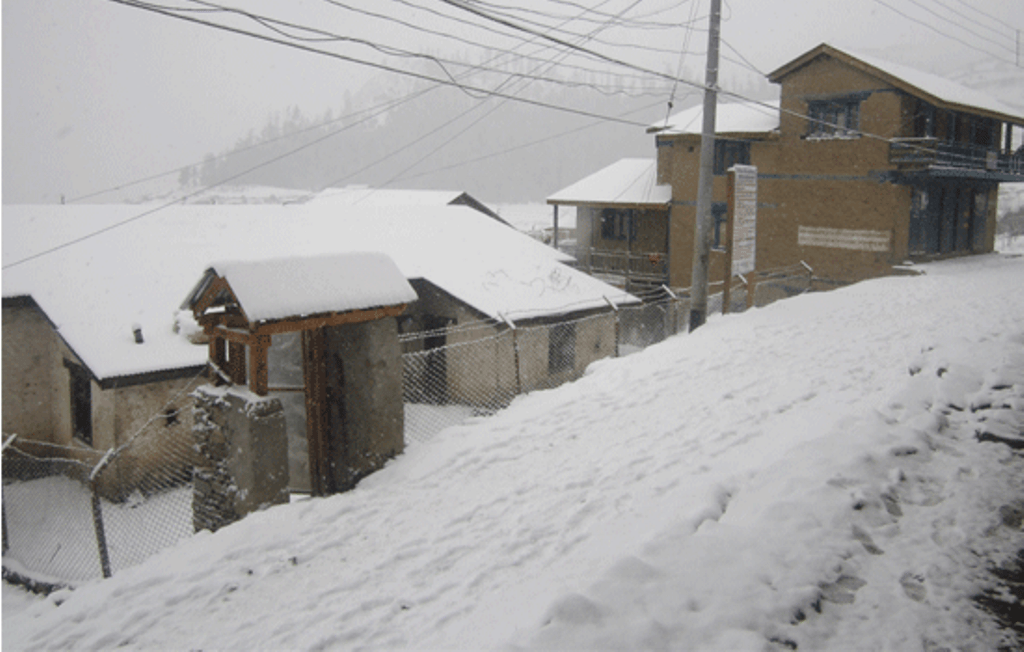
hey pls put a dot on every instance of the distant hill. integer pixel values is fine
(499, 151)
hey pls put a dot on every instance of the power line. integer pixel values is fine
(957, 24)
(1001, 21)
(976, 22)
(372, 112)
(520, 146)
(442, 34)
(320, 35)
(372, 64)
(939, 31)
(316, 127)
(499, 105)
(507, 81)
(452, 82)
(164, 11)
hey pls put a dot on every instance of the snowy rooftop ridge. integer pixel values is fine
(742, 117)
(139, 272)
(280, 288)
(368, 196)
(940, 88)
(628, 181)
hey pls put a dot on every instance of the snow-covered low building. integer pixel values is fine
(622, 223)
(95, 352)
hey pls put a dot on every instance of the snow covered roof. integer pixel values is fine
(95, 290)
(742, 117)
(938, 90)
(280, 288)
(366, 196)
(629, 181)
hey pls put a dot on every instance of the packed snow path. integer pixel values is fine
(803, 476)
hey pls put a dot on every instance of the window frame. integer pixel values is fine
(618, 224)
(730, 152)
(834, 118)
(80, 401)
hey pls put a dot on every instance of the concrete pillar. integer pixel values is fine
(242, 444)
(364, 387)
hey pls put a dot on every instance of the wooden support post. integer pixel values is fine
(554, 236)
(236, 363)
(730, 211)
(218, 354)
(258, 364)
(315, 379)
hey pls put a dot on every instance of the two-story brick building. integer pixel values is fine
(862, 165)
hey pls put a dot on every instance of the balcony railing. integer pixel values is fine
(649, 267)
(932, 153)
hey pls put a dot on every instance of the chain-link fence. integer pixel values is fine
(453, 375)
(72, 514)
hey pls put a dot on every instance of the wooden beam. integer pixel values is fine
(208, 297)
(229, 319)
(236, 363)
(218, 351)
(236, 336)
(328, 320)
(258, 364)
(315, 379)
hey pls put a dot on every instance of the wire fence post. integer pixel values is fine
(101, 537)
(3, 506)
(615, 309)
(515, 352)
(97, 511)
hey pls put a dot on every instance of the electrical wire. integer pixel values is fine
(976, 22)
(939, 31)
(495, 108)
(172, 13)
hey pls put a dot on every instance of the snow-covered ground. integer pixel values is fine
(801, 476)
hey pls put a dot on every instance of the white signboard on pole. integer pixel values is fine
(743, 205)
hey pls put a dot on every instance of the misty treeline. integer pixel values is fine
(408, 133)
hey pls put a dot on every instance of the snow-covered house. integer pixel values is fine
(367, 196)
(621, 223)
(94, 347)
(862, 165)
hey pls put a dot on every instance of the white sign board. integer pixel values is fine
(744, 219)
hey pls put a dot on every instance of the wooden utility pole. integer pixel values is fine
(702, 231)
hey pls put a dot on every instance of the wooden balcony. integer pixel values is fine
(626, 267)
(932, 153)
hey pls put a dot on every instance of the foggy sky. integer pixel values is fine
(97, 94)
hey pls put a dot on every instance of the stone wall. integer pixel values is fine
(243, 455)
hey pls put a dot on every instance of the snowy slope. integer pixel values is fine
(803, 475)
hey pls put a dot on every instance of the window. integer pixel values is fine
(838, 118)
(81, 401)
(719, 211)
(617, 224)
(729, 153)
(562, 348)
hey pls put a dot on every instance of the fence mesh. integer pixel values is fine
(452, 375)
(75, 514)
(47, 516)
(72, 514)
